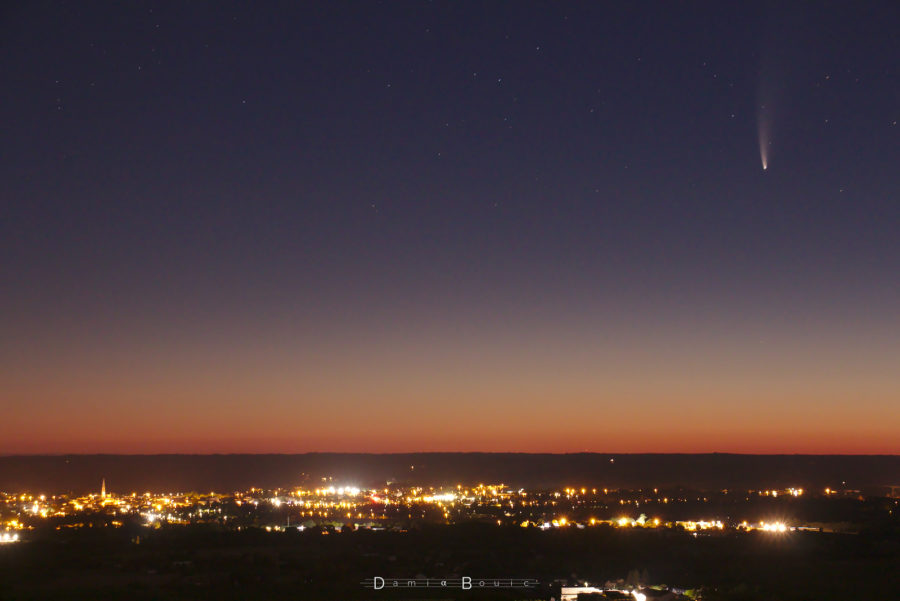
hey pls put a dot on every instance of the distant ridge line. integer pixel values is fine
(142, 472)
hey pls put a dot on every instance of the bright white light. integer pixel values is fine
(774, 527)
(445, 497)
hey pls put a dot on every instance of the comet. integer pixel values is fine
(764, 130)
(766, 95)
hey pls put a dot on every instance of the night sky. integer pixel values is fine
(450, 226)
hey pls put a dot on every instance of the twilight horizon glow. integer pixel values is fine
(405, 228)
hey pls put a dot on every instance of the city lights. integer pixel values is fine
(398, 506)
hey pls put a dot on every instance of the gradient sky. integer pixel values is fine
(423, 226)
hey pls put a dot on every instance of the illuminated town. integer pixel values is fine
(347, 507)
(578, 542)
(166, 536)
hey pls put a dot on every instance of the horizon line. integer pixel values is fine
(395, 453)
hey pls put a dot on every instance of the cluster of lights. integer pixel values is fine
(8, 537)
(348, 491)
(448, 497)
(644, 522)
(794, 492)
(636, 594)
(350, 502)
(692, 526)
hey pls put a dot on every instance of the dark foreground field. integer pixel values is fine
(201, 563)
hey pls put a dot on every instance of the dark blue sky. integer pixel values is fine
(383, 191)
